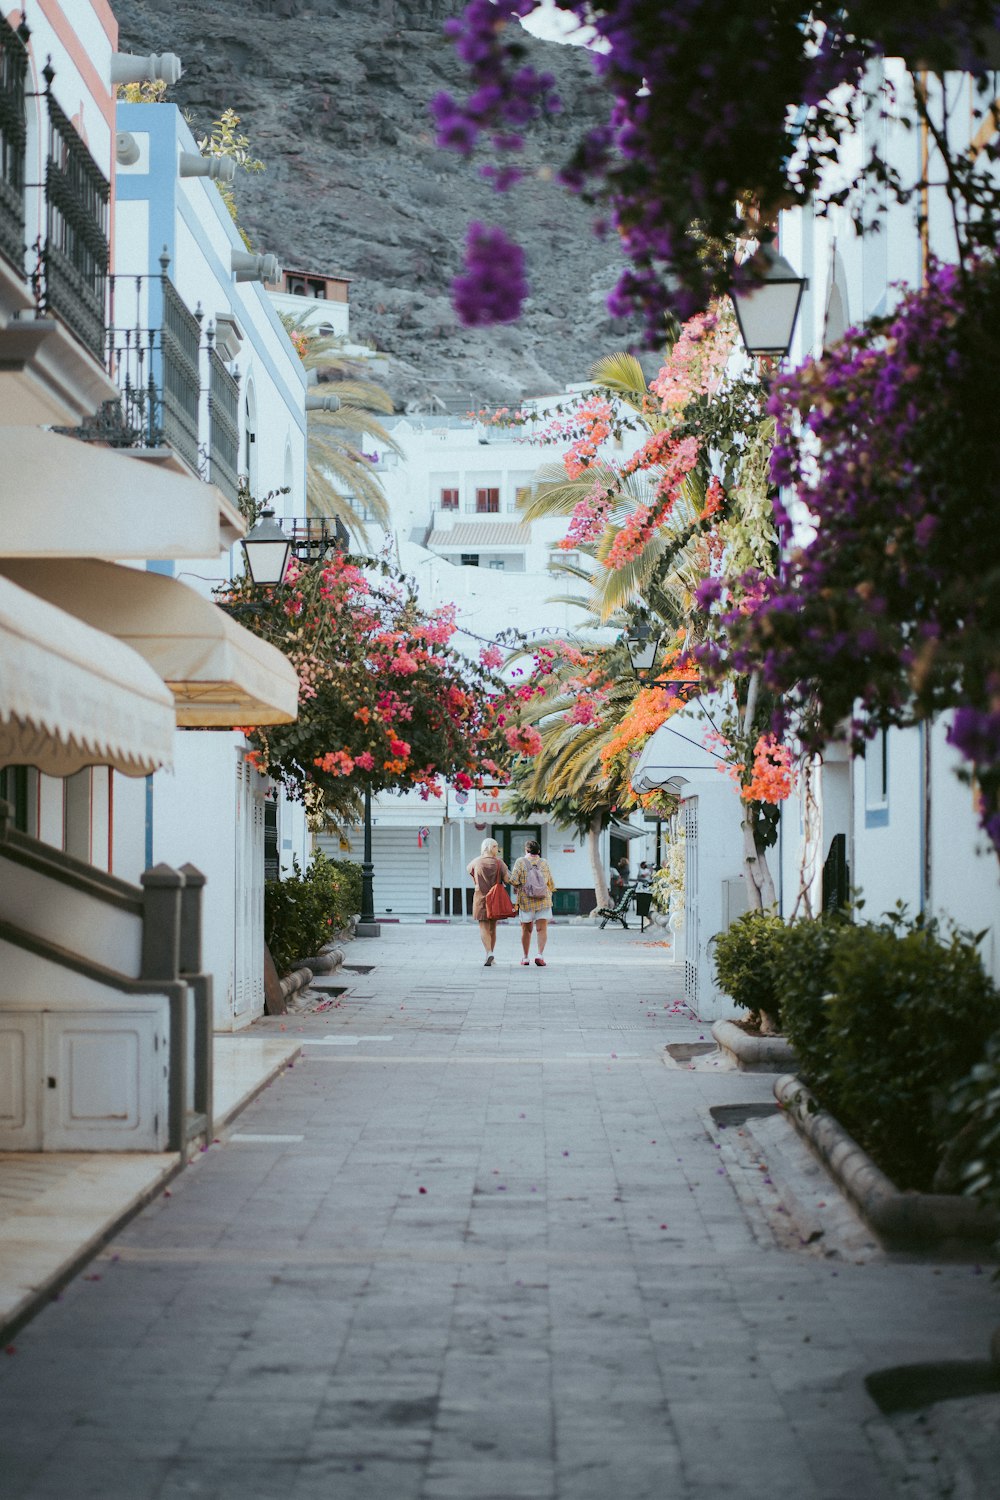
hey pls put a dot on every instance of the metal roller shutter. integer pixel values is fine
(402, 869)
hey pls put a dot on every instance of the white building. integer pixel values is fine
(174, 234)
(895, 822)
(106, 1004)
(456, 528)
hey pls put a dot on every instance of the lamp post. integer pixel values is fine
(643, 647)
(266, 548)
(367, 926)
(767, 313)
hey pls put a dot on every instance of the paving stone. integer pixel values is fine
(588, 1299)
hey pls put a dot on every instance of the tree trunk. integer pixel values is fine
(761, 895)
(594, 850)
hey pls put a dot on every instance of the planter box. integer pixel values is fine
(753, 1054)
(902, 1221)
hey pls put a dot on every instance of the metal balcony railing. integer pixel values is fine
(223, 425)
(74, 258)
(13, 136)
(154, 355)
(313, 537)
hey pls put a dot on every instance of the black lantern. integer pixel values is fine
(267, 548)
(768, 311)
(643, 647)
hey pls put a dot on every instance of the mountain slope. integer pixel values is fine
(333, 95)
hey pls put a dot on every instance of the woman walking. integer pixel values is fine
(533, 888)
(485, 872)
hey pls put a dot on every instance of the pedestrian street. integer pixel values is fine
(483, 1240)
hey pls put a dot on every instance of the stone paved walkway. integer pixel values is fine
(480, 1243)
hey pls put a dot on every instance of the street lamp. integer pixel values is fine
(266, 547)
(367, 925)
(767, 312)
(643, 647)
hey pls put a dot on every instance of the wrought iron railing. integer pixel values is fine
(154, 355)
(74, 258)
(180, 378)
(13, 135)
(223, 425)
(313, 537)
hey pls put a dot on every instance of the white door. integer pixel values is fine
(248, 937)
(691, 902)
(20, 1082)
(105, 1080)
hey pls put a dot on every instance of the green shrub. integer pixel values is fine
(974, 1150)
(748, 962)
(806, 957)
(303, 911)
(885, 1019)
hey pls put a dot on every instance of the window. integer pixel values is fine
(19, 787)
(877, 780)
(77, 809)
(469, 560)
(497, 564)
(487, 502)
(449, 499)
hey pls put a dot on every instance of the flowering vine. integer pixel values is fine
(386, 700)
(719, 113)
(885, 610)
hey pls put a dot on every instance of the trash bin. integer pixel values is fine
(643, 902)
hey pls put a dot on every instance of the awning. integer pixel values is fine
(67, 498)
(676, 753)
(71, 697)
(482, 535)
(220, 675)
(626, 831)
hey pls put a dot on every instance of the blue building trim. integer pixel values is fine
(159, 189)
(876, 817)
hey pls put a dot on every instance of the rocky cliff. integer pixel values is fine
(333, 95)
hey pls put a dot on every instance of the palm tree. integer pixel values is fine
(340, 481)
(567, 777)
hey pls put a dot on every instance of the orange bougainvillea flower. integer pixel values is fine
(772, 778)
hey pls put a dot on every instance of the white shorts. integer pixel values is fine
(527, 917)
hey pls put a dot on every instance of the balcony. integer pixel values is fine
(13, 138)
(154, 356)
(154, 353)
(74, 258)
(223, 425)
(51, 324)
(315, 537)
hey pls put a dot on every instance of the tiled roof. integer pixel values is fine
(482, 534)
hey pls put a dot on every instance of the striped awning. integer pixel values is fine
(481, 536)
(221, 675)
(72, 697)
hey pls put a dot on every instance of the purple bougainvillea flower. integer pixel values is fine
(493, 286)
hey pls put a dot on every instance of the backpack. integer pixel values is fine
(535, 884)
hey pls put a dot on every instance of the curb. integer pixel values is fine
(753, 1054)
(38, 1297)
(224, 1121)
(298, 979)
(902, 1221)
